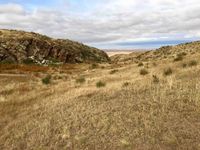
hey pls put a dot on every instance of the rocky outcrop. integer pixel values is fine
(20, 46)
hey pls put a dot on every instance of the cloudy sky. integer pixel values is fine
(107, 23)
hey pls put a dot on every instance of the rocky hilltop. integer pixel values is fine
(20, 47)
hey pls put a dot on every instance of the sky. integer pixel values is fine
(107, 24)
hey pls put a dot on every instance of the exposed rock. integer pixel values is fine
(20, 46)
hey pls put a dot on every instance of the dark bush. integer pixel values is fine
(192, 63)
(113, 71)
(140, 64)
(167, 71)
(28, 61)
(80, 80)
(178, 58)
(100, 84)
(47, 79)
(144, 71)
(94, 66)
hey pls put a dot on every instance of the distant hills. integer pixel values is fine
(29, 47)
(166, 52)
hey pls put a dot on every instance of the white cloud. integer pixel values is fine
(11, 8)
(110, 21)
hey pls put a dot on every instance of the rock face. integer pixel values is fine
(20, 46)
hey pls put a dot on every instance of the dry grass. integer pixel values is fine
(130, 112)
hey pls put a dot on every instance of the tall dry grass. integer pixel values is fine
(141, 115)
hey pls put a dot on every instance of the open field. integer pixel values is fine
(112, 53)
(153, 105)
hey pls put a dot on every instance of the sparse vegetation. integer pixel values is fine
(129, 112)
(144, 71)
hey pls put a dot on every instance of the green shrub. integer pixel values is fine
(167, 71)
(192, 63)
(144, 71)
(28, 61)
(113, 71)
(7, 62)
(80, 80)
(100, 84)
(94, 66)
(47, 79)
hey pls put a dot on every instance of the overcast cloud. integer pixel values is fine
(107, 23)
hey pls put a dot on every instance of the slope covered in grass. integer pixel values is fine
(132, 111)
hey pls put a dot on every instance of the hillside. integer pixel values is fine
(26, 47)
(166, 52)
(153, 104)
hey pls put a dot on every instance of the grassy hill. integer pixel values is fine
(167, 52)
(150, 104)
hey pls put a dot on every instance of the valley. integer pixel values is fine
(146, 100)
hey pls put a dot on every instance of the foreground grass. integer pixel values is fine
(140, 115)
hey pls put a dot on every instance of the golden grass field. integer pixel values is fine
(155, 110)
(112, 53)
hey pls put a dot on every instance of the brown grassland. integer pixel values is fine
(155, 110)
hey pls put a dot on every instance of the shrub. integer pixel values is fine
(125, 84)
(94, 66)
(167, 71)
(100, 84)
(144, 72)
(28, 61)
(7, 62)
(47, 79)
(192, 63)
(80, 80)
(178, 58)
(140, 64)
(155, 79)
(184, 65)
(113, 71)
